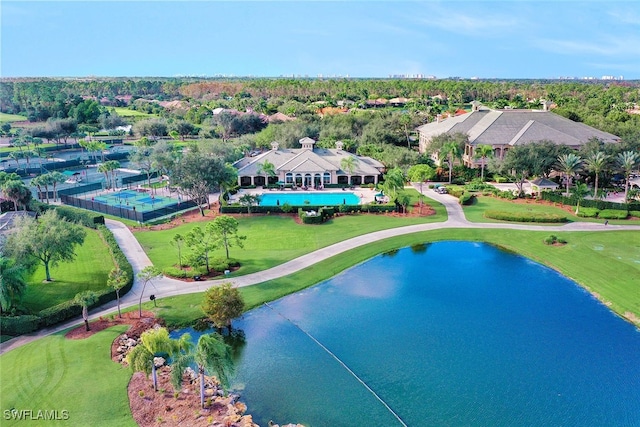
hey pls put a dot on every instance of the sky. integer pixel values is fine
(468, 39)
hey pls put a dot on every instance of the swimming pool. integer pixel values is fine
(319, 198)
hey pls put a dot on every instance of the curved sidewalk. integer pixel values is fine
(165, 287)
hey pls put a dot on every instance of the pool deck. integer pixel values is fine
(366, 195)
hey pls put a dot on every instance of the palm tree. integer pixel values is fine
(451, 150)
(348, 164)
(154, 343)
(85, 299)
(16, 191)
(580, 190)
(595, 162)
(117, 280)
(104, 168)
(249, 200)
(268, 169)
(12, 283)
(55, 178)
(627, 161)
(482, 152)
(211, 355)
(569, 165)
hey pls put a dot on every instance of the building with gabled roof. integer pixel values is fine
(308, 166)
(504, 129)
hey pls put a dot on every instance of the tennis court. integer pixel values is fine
(140, 201)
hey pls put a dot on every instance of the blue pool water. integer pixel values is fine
(447, 334)
(318, 198)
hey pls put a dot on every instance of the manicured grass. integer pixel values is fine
(475, 212)
(125, 112)
(9, 118)
(88, 272)
(607, 264)
(78, 376)
(272, 240)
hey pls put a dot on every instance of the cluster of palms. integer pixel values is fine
(597, 162)
(211, 355)
(13, 189)
(109, 170)
(49, 179)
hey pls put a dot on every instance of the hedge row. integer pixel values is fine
(588, 212)
(80, 216)
(613, 214)
(19, 325)
(588, 203)
(525, 216)
(286, 208)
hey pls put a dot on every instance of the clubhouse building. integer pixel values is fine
(504, 129)
(308, 167)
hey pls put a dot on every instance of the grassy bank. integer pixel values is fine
(77, 376)
(606, 264)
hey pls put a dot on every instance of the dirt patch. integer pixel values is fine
(185, 218)
(130, 318)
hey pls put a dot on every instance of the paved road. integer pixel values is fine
(165, 286)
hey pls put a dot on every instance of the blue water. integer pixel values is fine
(298, 198)
(447, 334)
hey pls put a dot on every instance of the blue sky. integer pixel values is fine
(485, 39)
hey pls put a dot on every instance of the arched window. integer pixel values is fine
(288, 178)
(326, 179)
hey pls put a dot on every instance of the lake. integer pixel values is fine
(449, 333)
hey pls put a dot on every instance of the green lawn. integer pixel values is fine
(77, 376)
(9, 118)
(125, 112)
(273, 240)
(475, 212)
(607, 264)
(89, 271)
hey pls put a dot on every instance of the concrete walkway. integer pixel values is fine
(165, 287)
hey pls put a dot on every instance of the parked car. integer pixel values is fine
(441, 190)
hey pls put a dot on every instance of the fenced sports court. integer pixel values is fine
(134, 204)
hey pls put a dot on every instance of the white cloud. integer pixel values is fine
(606, 46)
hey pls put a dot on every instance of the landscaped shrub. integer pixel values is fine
(455, 190)
(174, 272)
(18, 325)
(525, 216)
(80, 216)
(60, 312)
(551, 240)
(467, 199)
(506, 194)
(613, 214)
(635, 214)
(477, 185)
(588, 212)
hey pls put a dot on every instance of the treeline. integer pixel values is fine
(606, 105)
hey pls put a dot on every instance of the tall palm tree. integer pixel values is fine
(268, 169)
(569, 165)
(627, 161)
(154, 343)
(12, 283)
(451, 151)
(56, 178)
(348, 164)
(212, 355)
(482, 152)
(104, 168)
(595, 162)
